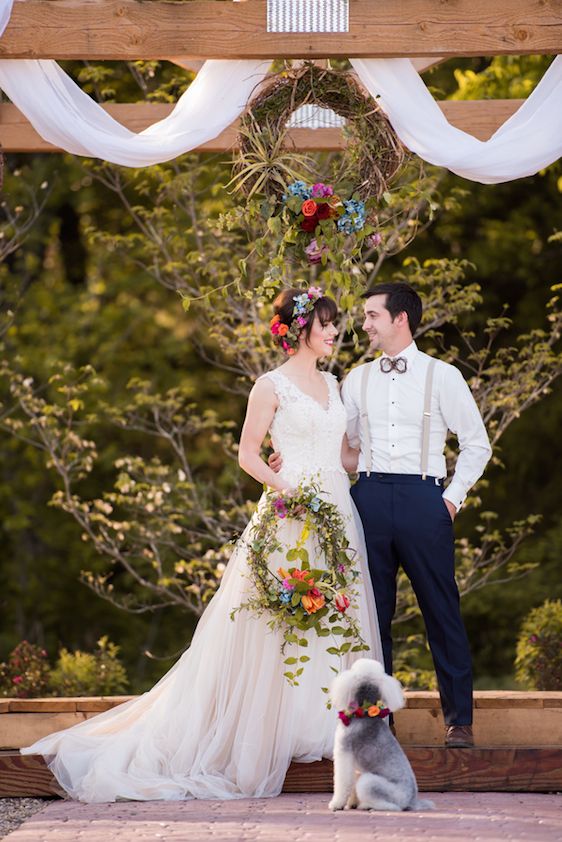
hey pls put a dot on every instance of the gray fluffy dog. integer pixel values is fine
(367, 746)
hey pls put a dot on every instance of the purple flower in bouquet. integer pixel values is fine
(321, 190)
(374, 240)
(314, 252)
(280, 507)
(301, 321)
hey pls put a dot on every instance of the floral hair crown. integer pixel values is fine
(287, 335)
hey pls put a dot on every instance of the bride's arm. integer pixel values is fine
(349, 456)
(262, 404)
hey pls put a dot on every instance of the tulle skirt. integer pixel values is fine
(223, 722)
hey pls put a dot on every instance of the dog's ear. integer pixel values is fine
(391, 692)
(341, 689)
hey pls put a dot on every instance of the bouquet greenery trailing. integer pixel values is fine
(308, 596)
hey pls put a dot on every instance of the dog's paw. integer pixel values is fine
(336, 804)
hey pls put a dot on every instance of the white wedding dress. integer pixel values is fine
(224, 722)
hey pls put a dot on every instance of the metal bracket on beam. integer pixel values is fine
(315, 117)
(308, 15)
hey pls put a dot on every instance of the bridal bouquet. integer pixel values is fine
(302, 595)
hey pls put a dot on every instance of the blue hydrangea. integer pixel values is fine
(302, 304)
(315, 504)
(354, 217)
(298, 188)
(285, 597)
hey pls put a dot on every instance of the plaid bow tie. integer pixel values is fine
(400, 364)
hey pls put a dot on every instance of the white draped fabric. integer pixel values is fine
(64, 115)
(528, 141)
(67, 117)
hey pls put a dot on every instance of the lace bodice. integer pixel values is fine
(308, 435)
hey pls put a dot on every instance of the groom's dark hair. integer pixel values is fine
(400, 298)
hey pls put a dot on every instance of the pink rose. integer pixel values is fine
(17, 679)
(342, 603)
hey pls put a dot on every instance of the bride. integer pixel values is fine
(224, 722)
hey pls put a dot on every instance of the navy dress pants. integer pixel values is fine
(407, 524)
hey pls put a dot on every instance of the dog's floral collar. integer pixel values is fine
(368, 709)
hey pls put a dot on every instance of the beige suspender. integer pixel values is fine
(426, 418)
(426, 423)
(365, 417)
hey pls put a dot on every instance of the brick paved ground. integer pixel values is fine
(493, 817)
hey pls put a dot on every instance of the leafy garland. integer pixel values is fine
(299, 599)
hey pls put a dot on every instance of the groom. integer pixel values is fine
(399, 410)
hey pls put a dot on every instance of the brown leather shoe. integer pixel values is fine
(459, 736)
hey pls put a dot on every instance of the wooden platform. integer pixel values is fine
(437, 769)
(518, 736)
(501, 719)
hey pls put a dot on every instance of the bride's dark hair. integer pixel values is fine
(324, 307)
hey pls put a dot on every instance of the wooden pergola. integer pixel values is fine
(208, 29)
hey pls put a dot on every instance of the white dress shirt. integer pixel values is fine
(395, 405)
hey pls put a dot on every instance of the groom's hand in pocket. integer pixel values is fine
(275, 462)
(452, 509)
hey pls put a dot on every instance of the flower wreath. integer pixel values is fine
(316, 222)
(299, 599)
(373, 152)
(287, 336)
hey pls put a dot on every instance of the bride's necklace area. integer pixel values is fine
(311, 389)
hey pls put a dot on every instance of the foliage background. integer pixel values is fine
(89, 299)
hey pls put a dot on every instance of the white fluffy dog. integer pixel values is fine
(364, 743)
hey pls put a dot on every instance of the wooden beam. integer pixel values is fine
(132, 29)
(421, 64)
(478, 117)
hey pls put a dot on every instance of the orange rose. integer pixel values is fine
(283, 329)
(374, 710)
(290, 352)
(302, 575)
(274, 320)
(312, 603)
(309, 207)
